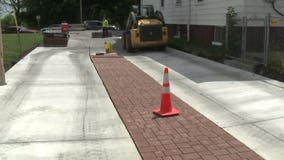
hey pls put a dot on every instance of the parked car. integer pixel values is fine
(21, 29)
(76, 27)
(52, 27)
(113, 27)
(26, 30)
(93, 24)
(97, 25)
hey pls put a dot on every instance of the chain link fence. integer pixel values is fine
(276, 38)
(257, 40)
(247, 40)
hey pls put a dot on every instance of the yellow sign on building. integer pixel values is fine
(274, 22)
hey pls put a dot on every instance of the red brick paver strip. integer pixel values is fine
(189, 135)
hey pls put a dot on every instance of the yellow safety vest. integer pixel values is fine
(105, 23)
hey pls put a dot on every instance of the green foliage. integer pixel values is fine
(8, 20)
(16, 6)
(179, 44)
(275, 66)
(51, 12)
(234, 39)
(12, 52)
(69, 10)
(216, 53)
(274, 57)
(232, 16)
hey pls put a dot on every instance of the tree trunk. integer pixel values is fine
(2, 69)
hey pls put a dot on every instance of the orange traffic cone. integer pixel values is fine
(166, 108)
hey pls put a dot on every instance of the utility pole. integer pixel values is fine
(2, 69)
(81, 14)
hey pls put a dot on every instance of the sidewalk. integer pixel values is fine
(55, 107)
(248, 106)
(187, 136)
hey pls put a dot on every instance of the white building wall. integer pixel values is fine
(155, 3)
(173, 14)
(260, 8)
(213, 12)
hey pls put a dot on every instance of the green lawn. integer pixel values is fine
(12, 50)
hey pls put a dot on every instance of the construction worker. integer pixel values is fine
(105, 28)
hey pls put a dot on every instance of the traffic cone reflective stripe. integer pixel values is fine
(166, 108)
(166, 83)
(166, 76)
(166, 87)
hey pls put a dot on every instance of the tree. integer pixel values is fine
(116, 11)
(52, 11)
(4, 9)
(233, 39)
(8, 20)
(69, 10)
(2, 70)
(16, 5)
(1, 10)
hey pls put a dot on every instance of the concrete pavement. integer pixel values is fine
(51, 107)
(55, 106)
(248, 106)
(187, 136)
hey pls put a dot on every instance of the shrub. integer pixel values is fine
(275, 65)
(216, 53)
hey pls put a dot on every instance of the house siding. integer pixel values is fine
(173, 14)
(260, 8)
(204, 16)
(213, 13)
(209, 12)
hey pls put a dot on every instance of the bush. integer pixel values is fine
(178, 43)
(216, 53)
(275, 66)
(234, 33)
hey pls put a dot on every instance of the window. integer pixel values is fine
(198, 2)
(162, 3)
(178, 2)
(218, 36)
